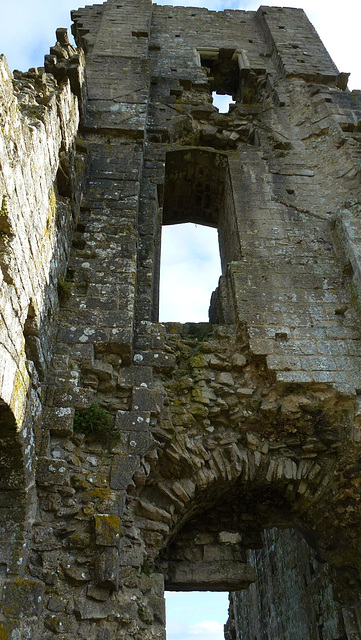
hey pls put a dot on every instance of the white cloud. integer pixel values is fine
(189, 273)
(208, 625)
(205, 630)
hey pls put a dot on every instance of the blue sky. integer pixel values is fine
(196, 615)
(27, 33)
(190, 269)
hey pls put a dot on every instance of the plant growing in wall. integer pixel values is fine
(97, 424)
(65, 286)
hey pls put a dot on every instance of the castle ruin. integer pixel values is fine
(137, 456)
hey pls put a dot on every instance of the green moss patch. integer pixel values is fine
(97, 424)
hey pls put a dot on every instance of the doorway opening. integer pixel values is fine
(189, 272)
(196, 615)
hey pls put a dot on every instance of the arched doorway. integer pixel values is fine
(234, 460)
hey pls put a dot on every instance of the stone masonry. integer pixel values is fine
(137, 456)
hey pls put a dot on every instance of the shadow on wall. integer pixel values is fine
(12, 493)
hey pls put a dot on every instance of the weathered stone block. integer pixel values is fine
(52, 472)
(23, 598)
(60, 420)
(107, 568)
(205, 576)
(229, 537)
(147, 400)
(96, 593)
(136, 420)
(107, 530)
(92, 609)
(122, 470)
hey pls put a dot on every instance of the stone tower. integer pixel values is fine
(137, 456)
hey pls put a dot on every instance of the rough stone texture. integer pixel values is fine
(291, 598)
(137, 456)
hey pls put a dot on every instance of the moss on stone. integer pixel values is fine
(107, 528)
(147, 568)
(97, 424)
(3, 633)
(65, 288)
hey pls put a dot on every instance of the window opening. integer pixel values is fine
(189, 272)
(222, 70)
(222, 102)
(196, 615)
(196, 190)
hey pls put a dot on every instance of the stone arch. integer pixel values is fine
(206, 477)
(12, 494)
(199, 527)
(271, 455)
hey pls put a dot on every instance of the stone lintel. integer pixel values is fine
(209, 576)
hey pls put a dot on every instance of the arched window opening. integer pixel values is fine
(189, 272)
(196, 190)
(196, 615)
(277, 576)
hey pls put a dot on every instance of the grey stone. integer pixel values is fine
(214, 441)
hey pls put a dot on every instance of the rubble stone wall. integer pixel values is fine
(39, 122)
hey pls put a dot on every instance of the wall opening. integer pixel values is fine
(189, 272)
(197, 201)
(222, 70)
(223, 102)
(274, 579)
(12, 493)
(196, 615)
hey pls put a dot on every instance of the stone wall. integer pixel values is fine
(292, 596)
(39, 122)
(163, 453)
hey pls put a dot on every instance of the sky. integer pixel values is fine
(189, 258)
(196, 615)
(28, 28)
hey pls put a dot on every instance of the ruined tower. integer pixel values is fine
(137, 456)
